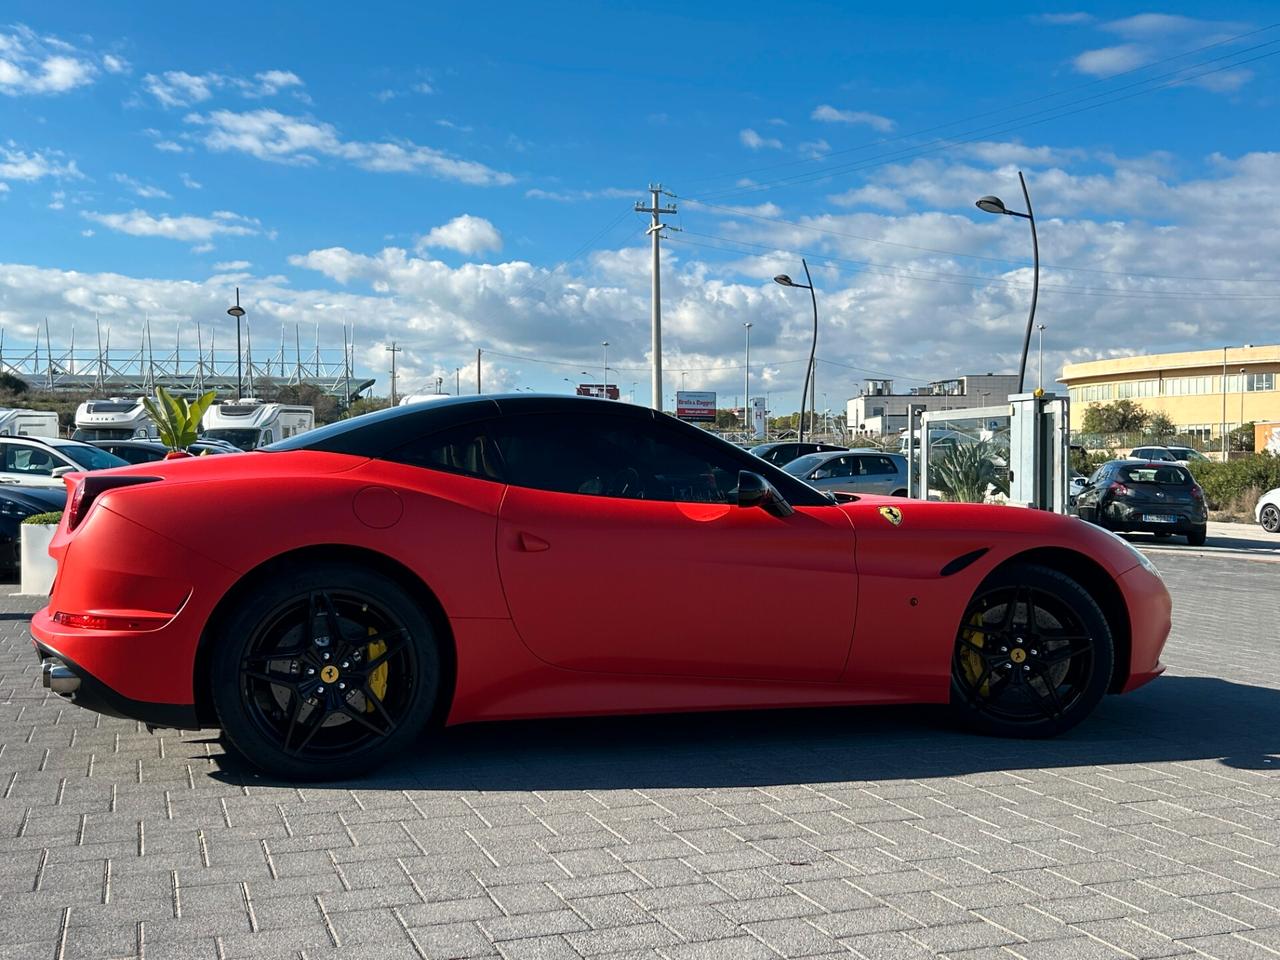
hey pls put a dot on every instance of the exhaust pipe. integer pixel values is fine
(56, 676)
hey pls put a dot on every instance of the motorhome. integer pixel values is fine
(249, 424)
(120, 418)
(28, 423)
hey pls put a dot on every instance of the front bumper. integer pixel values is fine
(77, 685)
(1150, 619)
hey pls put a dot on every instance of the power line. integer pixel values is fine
(988, 113)
(940, 144)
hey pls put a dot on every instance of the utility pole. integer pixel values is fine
(393, 350)
(746, 389)
(655, 209)
(478, 352)
(457, 381)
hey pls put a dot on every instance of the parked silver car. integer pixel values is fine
(853, 471)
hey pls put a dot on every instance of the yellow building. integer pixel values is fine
(1202, 391)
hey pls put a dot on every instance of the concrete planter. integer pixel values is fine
(38, 568)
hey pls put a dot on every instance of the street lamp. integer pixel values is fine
(746, 391)
(604, 387)
(996, 205)
(1040, 375)
(786, 281)
(238, 311)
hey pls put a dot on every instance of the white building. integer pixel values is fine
(880, 411)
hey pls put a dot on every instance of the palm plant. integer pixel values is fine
(176, 420)
(968, 471)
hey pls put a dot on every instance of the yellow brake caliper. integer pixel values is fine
(377, 679)
(969, 659)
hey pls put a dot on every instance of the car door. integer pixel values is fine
(621, 551)
(30, 465)
(836, 474)
(877, 474)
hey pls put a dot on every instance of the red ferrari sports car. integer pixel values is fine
(324, 599)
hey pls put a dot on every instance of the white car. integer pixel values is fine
(1183, 455)
(42, 461)
(1267, 512)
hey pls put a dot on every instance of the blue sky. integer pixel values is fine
(454, 177)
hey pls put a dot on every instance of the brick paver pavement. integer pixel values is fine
(1152, 831)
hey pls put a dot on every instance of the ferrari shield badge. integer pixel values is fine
(892, 514)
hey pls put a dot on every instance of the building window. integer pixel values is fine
(1190, 386)
(1093, 392)
(1132, 389)
(1260, 381)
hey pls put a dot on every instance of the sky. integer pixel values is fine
(454, 177)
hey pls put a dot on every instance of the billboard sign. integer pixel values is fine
(758, 418)
(696, 406)
(609, 391)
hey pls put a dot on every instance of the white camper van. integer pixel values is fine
(249, 424)
(120, 418)
(28, 423)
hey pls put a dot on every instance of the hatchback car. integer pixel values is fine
(1267, 512)
(783, 452)
(1160, 498)
(149, 451)
(42, 461)
(16, 504)
(1168, 455)
(853, 471)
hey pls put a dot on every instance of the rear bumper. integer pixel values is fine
(77, 685)
(1122, 517)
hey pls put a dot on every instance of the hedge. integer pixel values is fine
(1248, 477)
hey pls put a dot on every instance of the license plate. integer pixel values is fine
(1158, 518)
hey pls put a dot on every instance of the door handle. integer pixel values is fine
(531, 544)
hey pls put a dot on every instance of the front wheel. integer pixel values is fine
(1270, 518)
(324, 673)
(1033, 655)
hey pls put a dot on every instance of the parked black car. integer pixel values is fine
(1160, 498)
(782, 452)
(149, 451)
(16, 504)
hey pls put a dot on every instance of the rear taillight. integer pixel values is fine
(95, 621)
(1196, 492)
(1118, 488)
(90, 487)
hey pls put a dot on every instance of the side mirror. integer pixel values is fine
(820, 474)
(58, 472)
(755, 491)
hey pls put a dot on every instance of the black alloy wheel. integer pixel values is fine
(1270, 518)
(1033, 654)
(326, 674)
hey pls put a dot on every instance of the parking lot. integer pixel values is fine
(1153, 830)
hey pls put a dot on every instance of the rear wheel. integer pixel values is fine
(1270, 518)
(1197, 536)
(325, 674)
(1033, 655)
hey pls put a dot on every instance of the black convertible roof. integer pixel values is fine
(374, 434)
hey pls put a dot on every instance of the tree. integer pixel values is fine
(12, 384)
(177, 421)
(309, 395)
(1160, 426)
(1123, 416)
(727, 420)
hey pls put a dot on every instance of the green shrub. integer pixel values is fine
(1237, 480)
(53, 516)
(967, 471)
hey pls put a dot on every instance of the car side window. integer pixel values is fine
(33, 460)
(610, 456)
(467, 449)
(842, 467)
(878, 466)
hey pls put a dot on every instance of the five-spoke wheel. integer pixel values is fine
(1269, 518)
(325, 673)
(1033, 654)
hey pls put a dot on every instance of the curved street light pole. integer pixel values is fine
(238, 311)
(996, 205)
(786, 281)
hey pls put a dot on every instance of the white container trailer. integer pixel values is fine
(120, 418)
(17, 422)
(249, 424)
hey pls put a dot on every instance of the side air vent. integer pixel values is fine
(962, 561)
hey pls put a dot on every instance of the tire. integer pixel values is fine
(277, 674)
(1270, 518)
(1066, 653)
(1196, 537)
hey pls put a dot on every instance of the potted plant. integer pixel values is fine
(38, 568)
(177, 421)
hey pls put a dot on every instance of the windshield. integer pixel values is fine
(1164, 475)
(1186, 453)
(91, 458)
(802, 465)
(244, 439)
(103, 433)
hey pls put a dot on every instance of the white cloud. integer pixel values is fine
(465, 234)
(232, 266)
(16, 164)
(814, 148)
(1152, 36)
(572, 196)
(170, 146)
(753, 141)
(57, 201)
(177, 88)
(139, 223)
(1065, 19)
(271, 135)
(86, 232)
(114, 64)
(1107, 61)
(826, 113)
(190, 182)
(423, 88)
(34, 64)
(144, 190)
